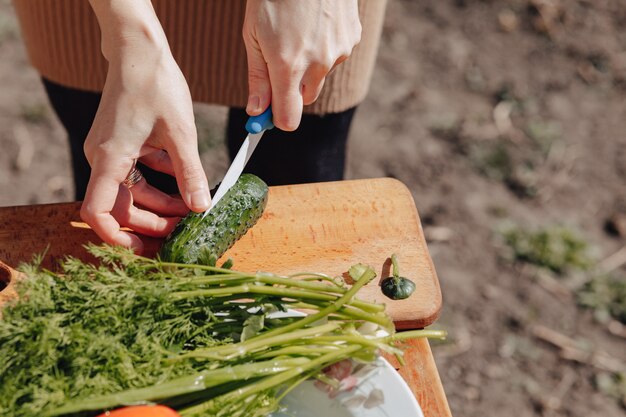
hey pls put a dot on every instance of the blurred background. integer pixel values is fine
(507, 120)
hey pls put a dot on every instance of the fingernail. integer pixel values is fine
(136, 245)
(254, 104)
(200, 200)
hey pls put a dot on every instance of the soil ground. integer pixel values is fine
(493, 113)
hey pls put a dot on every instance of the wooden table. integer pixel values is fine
(322, 227)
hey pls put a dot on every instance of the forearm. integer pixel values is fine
(128, 26)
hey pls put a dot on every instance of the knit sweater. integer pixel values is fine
(63, 42)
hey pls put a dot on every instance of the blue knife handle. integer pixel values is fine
(257, 124)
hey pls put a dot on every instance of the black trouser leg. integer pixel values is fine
(76, 110)
(315, 152)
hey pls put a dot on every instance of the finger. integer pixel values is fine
(102, 191)
(141, 221)
(158, 201)
(190, 176)
(312, 84)
(260, 91)
(286, 97)
(158, 161)
(339, 60)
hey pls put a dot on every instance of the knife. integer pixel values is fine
(256, 126)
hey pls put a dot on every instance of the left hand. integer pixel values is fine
(145, 113)
(292, 45)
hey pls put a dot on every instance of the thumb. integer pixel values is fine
(260, 91)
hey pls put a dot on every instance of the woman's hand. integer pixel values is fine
(145, 113)
(292, 45)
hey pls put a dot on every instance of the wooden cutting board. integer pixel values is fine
(322, 227)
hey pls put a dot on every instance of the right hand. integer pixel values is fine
(292, 46)
(145, 114)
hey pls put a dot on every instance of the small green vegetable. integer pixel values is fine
(203, 239)
(397, 287)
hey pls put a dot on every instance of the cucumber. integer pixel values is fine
(203, 240)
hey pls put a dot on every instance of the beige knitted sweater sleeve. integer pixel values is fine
(63, 42)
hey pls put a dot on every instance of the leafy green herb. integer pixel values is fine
(200, 339)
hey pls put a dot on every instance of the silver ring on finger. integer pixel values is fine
(133, 177)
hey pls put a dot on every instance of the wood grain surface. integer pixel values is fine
(323, 227)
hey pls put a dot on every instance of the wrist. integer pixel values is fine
(129, 28)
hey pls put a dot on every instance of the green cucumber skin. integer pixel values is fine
(229, 220)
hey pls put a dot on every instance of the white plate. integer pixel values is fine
(378, 391)
(381, 392)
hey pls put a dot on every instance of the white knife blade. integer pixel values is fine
(236, 168)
